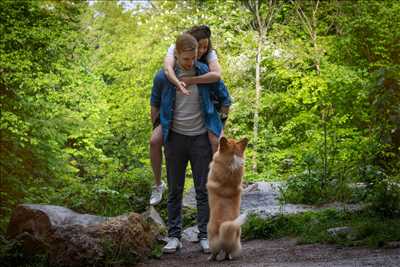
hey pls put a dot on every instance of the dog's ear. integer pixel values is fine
(243, 143)
(223, 143)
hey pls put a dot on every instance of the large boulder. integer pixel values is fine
(262, 199)
(73, 239)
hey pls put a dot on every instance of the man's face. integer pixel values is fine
(186, 59)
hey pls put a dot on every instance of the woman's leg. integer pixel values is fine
(156, 154)
(214, 140)
(156, 164)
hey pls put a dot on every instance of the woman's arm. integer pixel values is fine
(212, 76)
(169, 63)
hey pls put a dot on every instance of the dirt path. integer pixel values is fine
(262, 199)
(284, 252)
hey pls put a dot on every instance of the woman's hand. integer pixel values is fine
(181, 86)
(187, 81)
(169, 63)
(225, 109)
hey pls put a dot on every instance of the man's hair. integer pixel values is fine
(185, 42)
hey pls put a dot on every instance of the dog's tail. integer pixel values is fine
(241, 219)
(229, 234)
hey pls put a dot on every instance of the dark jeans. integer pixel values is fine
(179, 150)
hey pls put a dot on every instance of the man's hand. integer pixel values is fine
(182, 88)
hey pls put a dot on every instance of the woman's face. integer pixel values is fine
(203, 47)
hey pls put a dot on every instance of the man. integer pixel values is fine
(185, 121)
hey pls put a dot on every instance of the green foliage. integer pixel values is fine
(110, 196)
(117, 255)
(69, 137)
(311, 227)
(12, 254)
(157, 251)
(385, 196)
(76, 79)
(41, 55)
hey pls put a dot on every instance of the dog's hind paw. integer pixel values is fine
(213, 257)
(228, 256)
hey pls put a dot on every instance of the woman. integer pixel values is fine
(207, 55)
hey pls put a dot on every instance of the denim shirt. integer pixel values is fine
(163, 96)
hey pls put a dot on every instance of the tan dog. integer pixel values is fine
(224, 193)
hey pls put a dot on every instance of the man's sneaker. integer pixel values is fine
(204, 245)
(156, 194)
(172, 246)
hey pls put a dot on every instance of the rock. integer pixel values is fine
(191, 234)
(267, 192)
(340, 231)
(250, 188)
(262, 199)
(254, 200)
(40, 219)
(155, 217)
(156, 223)
(73, 239)
(270, 187)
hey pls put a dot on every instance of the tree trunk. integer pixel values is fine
(258, 97)
(260, 44)
(262, 26)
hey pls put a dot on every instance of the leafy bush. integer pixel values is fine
(111, 196)
(384, 196)
(117, 255)
(311, 227)
(305, 189)
(12, 254)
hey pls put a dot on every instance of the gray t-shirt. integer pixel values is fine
(188, 114)
(211, 56)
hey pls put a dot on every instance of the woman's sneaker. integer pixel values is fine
(156, 194)
(172, 246)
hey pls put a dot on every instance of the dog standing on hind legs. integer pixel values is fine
(224, 187)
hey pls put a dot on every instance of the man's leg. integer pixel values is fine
(176, 160)
(200, 158)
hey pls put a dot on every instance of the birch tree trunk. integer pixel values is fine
(263, 24)
(260, 44)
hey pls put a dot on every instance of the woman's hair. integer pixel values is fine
(202, 32)
(185, 42)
